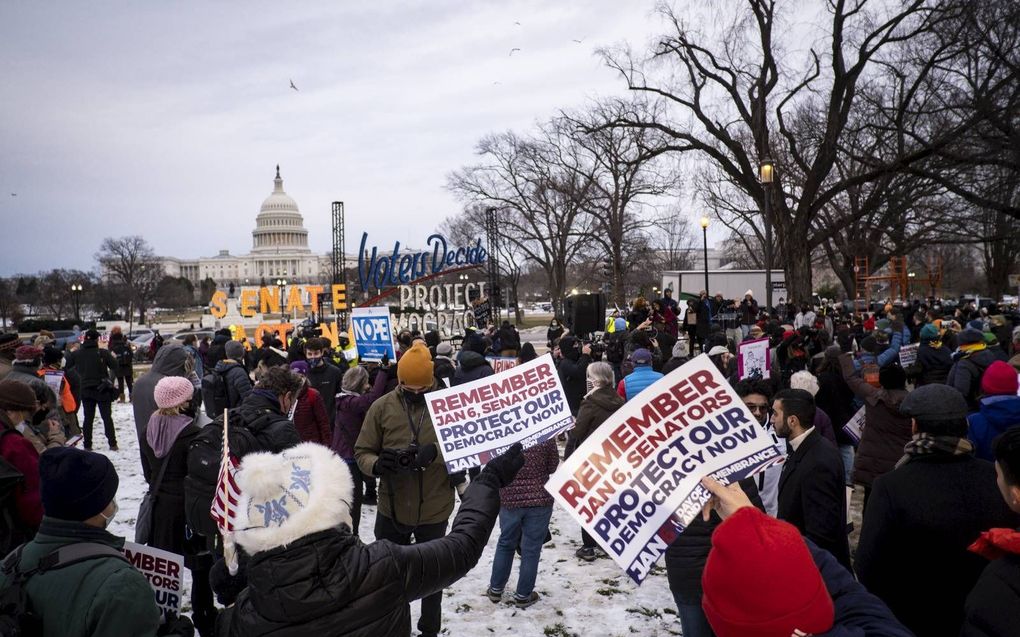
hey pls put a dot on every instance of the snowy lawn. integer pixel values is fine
(578, 598)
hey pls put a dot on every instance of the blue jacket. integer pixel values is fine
(996, 414)
(887, 356)
(858, 612)
(635, 382)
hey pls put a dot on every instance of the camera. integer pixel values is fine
(406, 457)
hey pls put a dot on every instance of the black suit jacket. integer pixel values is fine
(812, 495)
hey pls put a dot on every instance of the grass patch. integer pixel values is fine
(646, 612)
(558, 630)
(608, 591)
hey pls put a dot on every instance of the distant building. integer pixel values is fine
(279, 251)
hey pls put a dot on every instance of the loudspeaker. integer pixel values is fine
(585, 314)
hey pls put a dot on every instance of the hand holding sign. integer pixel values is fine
(726, 499)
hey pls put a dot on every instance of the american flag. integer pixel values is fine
(226, 499)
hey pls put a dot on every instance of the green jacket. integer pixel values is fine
(386, 426)
(102, 597)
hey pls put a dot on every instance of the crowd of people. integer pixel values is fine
(320, 434)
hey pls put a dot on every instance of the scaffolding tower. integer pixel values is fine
(339, 259)
(492, 237)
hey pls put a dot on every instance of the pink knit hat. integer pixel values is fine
(172, 391)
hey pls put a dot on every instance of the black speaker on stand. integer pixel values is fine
(585, 314)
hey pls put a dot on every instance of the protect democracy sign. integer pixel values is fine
(634, 483)
(373, 333)
(479, 420)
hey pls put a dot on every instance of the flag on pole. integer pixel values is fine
(225, 500)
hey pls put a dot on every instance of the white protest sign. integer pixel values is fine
(163, 569)
(908, 355)
(754, 359)
(373, 333)
(479, 420)
(501, 363)
(635, 482)
(855, 425)
(54, 378)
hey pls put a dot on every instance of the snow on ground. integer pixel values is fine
(578, 598)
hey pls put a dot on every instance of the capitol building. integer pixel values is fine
(279, 250)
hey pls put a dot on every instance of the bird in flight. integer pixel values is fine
(514, 50)
(496, 83)
(292, 85)
(579, 41)
(14, 194)
(517, 23)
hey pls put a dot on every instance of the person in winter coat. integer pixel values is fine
(308, 574)
(886, 427)
(216, 351)
(596, 406)
(572, 368)
(823, 423)
(526, 354)
(172, 360)
(924, 514)
(524, 513)
(762, 577)
(445, 368)
(836, 399)
(992, 608)
(9, 343)
(170, 432)
(971, 360)
(121, 350)
(231, 370)
(25, 369)
(509, 339)
(67, 406)
(554, 332)
(470, 367)
(310, 413)
(323, 375)
(41, 428)
(95, 365)
(102, 595)
(933, 359)
(642, 376)
(999, 408)
(399, 445)
(357, 394)
(17, 404)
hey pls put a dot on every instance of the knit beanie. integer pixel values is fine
(641, 356)
(16, 396)
(444, 349)
(52, 355)
(91, 335)
(286, 496)
(234, 350)
(299, 367)
(75, 484)
(970, 337)
(929, 333)
(761, 581)
(415, 366)
(172, 391)
(869, 344)
(27, 354)
(999, 379)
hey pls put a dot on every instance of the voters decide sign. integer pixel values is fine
(480, 420)
(373, 333)
(634, 484)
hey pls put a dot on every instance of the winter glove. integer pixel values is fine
(387, 462)
(457, 479)
(505, 467)
(175, 626)
(426, 455)
(226, 586)
(385, 362)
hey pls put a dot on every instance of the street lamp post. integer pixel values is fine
(766, 171)
(280, 284)
(76, 295)
(704, 243)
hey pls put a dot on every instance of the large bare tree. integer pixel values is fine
(131, 263)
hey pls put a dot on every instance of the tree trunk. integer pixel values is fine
(796, 260)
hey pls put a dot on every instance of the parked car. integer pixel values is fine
(199, 334)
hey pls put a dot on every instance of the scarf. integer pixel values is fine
(996, 543)
(971, 348)
(162, 431)
(924, 444)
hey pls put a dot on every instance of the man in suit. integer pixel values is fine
(812, 496)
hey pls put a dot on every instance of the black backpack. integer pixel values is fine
(615, 347)
(16, 617)
(215, 395)
(204, 455)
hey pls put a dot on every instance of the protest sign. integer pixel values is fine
(754, 359)
(483, 313)
(373, 333)
(501, 363)
(855, 426)
(479, 420)
(53, 378)
(634, 483)
(163, 570)
(908, 355)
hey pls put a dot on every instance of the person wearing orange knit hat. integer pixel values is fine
(398, 444)
(763, 579)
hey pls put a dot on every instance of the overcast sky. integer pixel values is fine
(167, 119)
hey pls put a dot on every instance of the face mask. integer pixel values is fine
(413, 397)
(315, 362)
(108, 520)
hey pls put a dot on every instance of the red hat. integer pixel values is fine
(999, 379)
(760, 580)
(27, 353)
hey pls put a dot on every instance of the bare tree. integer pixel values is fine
(672, 238)
(130, 262)
(8, 301)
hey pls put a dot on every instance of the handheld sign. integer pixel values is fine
(501, 363)
(480, 420)
(855, 426)
(634, 483)
(908, 355)
(163, 570)
(754, 359)
(373, 333)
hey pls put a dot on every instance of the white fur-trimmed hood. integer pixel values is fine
(286, 496)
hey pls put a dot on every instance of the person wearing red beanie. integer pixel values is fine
(764, 579)
(998, 409)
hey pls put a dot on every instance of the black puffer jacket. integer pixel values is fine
(237, 381)
(935, 363)
(329, 583)
(573, 370)
(472, 366)
(686, 556)
(93, 366)
(261, 415)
